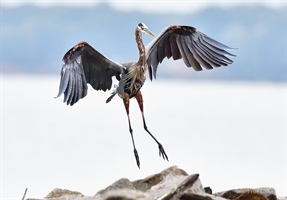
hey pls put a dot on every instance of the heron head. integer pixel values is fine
(143, 28)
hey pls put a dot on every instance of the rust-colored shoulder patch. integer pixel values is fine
(77, 47)
(174, 26)
(182, 30)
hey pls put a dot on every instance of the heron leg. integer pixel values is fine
(127, 104)
(139, 99)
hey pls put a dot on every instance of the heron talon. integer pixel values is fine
(137, 158)
(162, 152)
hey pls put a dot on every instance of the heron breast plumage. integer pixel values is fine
(132, 80)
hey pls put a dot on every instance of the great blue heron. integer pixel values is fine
(83, 64)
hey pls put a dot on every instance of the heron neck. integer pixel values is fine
(141, 47)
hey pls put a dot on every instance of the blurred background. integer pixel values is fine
(228, 124)
(39, 34)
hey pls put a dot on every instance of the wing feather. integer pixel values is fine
(209, 63)
(217, 47)
(217, 59)
(167, 49)
(174, 48)
(76, 87)
(188, 54)
(63, 83)
(82, 64)
(184, 42)
(196, 66)
(201, 61)
(72, 87)
(181, 51)
(67, 92)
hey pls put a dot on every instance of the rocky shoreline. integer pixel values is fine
(171, 184)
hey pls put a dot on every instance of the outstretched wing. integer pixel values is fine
(185, 42)
(83, 64)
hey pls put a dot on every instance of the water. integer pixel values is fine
(233, 134)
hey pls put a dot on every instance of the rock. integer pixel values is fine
(123, 183)
(125, 195)
(269, 193)
(170, 184)
(57, 192)
(150, 181)
(251, 196)
(208, 190)
(202, 196)
(190, 185)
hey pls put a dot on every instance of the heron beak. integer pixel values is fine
(149, 33)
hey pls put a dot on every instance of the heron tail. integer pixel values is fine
(111, 97)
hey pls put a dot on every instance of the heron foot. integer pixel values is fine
(137, 158)
(162, 152)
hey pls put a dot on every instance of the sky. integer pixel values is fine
(151, 5)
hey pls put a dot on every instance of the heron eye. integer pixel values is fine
(140, 25)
